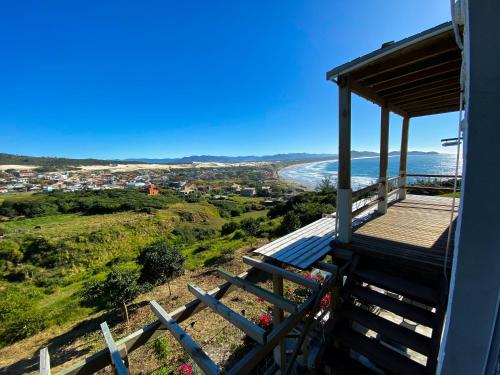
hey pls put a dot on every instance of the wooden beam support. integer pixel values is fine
(371, 95)
(344, 191)
(424, 94)
(426, 83)
(328, 267)
(403, 157)
(384, 160)
(254, 331)
(116, 358)
(135, 340)
(280, 350)
(273, 298)
(190, 346)
(44, 361)
(291, 276)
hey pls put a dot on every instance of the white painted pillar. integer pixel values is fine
(403, 157)
(344, 192)
(280, 350)
(384, 158)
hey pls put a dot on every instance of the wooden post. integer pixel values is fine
(280, 350)
(344, 192)
(384, 155)
(44, 361)
(403, 158)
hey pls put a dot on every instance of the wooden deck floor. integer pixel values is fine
(415, 229)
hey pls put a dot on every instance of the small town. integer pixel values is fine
(259, 181)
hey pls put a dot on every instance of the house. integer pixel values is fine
(235, 188)
(152, 189)
(248, 192)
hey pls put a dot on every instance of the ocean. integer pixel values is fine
(364, 171)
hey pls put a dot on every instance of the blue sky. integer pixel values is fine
(119, 79)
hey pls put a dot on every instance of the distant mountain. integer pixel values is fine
(236, 159)
(45, 161)
(7, 159)
(416, 153)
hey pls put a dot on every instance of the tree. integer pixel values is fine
(251, 228)
(290, 223)
(326, 186)
(119, 288)
(160, 263)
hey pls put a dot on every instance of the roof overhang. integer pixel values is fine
(417, 76)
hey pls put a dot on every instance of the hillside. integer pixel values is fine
(45, 161)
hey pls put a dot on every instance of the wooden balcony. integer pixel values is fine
(414, 232)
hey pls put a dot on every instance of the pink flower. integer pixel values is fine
(325, 301)
(265, 321)
(185, 369)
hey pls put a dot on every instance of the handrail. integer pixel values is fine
(432, 175)
(365, 190)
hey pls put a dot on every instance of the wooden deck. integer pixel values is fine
(414, 229)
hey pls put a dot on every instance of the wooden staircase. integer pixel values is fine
(389, 322)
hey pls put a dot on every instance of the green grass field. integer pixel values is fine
(89, 246)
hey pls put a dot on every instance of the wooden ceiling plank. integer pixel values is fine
(424, 84)
(372, 96)
(455, 93)
(407, 56)
(434, 111)
(416, 77)
(415, 94)
(421, 66)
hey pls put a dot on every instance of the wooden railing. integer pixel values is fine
(436, 177)
(369, 195)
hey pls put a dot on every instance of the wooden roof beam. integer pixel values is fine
(425, 93)
(372, 96)
(433, 104)
(419, 76)
(453, 94)
(423, 84)
(419, 67)
(406, 57)
(434, 111)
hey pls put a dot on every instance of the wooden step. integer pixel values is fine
(393, 331)
(345, 365)
(412, 290)
(384, 357)
(403, 309)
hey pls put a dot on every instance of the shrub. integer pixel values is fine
(161, 347)
(229, 227)
(9, 250)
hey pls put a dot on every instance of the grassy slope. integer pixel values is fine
(130, 232)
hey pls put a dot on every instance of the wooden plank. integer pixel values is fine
(254, 331)
(316, 226)
(417, 292)
(116, 358)
(393, 331)
(270, 297)
(44, 361)
(381, 355)
(288, 255)
(278, 316)
(328, 267)
(371, 95)
(189, 345)
(403, 309)
(292, 276)
(302, 239)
